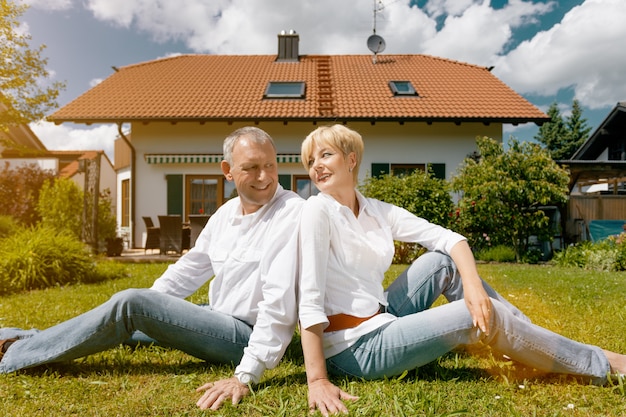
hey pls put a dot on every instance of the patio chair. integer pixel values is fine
(153, 235)
(173, 236)
(196, 224)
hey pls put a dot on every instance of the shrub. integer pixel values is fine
(498, 253)
(7, 226)
(41, 257)
(19, 192)
(605, 255)
(60, 206)
(501, 190)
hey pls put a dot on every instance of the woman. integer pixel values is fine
(350, 326)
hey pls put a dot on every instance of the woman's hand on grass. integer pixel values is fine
(328, 398)
(215, 393)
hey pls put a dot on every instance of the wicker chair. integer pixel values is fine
(153, 235)
(196, 224)
(173, 237)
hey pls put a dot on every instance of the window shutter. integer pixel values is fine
(174, 194)
(439, 170)
(285, 181)
(378, 170)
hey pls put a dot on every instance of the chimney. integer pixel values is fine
(288, 46)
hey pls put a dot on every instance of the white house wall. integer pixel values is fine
(385, 142)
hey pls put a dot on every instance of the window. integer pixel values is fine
(205, 193)
(285, 89)
(380, 169)
(406, 169)
(617, 150)
(125, 197)
(304, 186)
(402, 88)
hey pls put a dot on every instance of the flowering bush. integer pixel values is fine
(605, 255)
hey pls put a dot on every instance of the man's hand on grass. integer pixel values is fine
(215, 393)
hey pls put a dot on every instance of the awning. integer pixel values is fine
(207, 158)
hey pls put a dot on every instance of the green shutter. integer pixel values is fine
(378, 170)
(439, 170)
(174, 194)
(285, 181)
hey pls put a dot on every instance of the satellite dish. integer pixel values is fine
(376, 44)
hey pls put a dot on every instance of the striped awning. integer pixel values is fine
(207, 158)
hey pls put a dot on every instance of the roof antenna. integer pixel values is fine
(376, 43)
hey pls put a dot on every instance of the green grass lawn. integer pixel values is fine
(587, 306)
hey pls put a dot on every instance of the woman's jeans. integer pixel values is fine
(145, 313)
(421, 334)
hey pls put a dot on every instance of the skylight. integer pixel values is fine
(402, 88)
(285, 89)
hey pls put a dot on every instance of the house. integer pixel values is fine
(598, 177)
(20, 146)
(414, 111)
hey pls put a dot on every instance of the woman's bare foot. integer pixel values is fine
(617, 362)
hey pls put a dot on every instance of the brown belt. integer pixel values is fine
(345, 321)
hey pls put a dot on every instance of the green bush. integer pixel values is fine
(501, 190)
(19, 192)
(41, 257)
(499, 253)
(7, 226)
(605, 255)
(60, 206)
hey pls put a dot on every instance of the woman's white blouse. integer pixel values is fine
(344, 260)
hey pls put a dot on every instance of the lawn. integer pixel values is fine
(587, 306)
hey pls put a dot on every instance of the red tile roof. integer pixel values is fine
(338, 87)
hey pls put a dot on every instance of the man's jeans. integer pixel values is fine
(421, 334)
(170, 321)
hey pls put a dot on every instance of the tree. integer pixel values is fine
(562, 137)
(23, 96)
(19, 192)
(552, 133)
(578, 131)
(502, 191)
(60, 206)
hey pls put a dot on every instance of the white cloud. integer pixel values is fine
(479, 33)
(583, 52)
(67, 138)
(95, 82)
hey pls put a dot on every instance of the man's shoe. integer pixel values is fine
(4, 345)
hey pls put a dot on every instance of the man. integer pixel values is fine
(249, 245)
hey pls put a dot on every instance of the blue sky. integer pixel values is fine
(547, 51)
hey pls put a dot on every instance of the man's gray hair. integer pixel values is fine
(253, 133)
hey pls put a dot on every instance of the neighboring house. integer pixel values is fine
(414, 111)
(598, 176)
(20, 146)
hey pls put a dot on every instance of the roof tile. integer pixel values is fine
(206, 87)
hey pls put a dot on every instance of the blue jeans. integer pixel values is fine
(421, 334)
(147, 314)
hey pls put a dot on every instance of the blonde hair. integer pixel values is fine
(338, 137)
